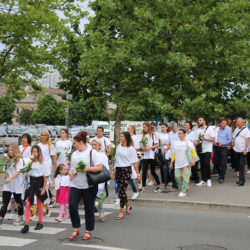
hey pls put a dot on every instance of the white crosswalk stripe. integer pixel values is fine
(15, 242)
(49, 228)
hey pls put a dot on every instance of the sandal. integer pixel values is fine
(128, 209)
(74, 235)
(119, 217)
(87, 235)
(101, 216)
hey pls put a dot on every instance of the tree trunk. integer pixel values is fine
(117, 130)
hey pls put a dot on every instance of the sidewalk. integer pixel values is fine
(222, 197)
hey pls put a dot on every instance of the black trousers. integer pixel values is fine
(165, 175)
(194, 171)
(220, 159)
(6, 199)
(205, 165)
(151, 163)
(240, 160)
(89, 196)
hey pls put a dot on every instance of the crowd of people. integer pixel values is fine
(178, 152)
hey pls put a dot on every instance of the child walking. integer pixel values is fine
(38, 181)
(13, 183)
(62, 181)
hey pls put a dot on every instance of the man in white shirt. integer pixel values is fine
(172, 138)
(192, 136)
(206, 136)
(106, 144)
(241, 138)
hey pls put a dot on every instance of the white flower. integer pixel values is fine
(30, 161)
(5, 155)
(85, 162)
(112, 145)
(32, 157)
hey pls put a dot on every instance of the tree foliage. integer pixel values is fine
(25, 116)
(28, 32)
(172, 57)
(49, 111)
(7, 107)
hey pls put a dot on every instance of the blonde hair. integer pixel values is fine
(47, 133)
(98, 141)
(16, 153)
(133, 129)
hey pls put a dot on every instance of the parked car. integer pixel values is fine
(2, 131)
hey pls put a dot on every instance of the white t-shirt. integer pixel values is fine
(80, 180)
(136, 141)
(63, 147)
(163, 137)
(172, 139)
(104, 141)
(125, 156)
(25, 151)
(62, 181)
(150, 154)
(39, 169)
(240, 141)
(180, 148)
(192, 136)
(17, 184)
(47, 153)
(208, 134)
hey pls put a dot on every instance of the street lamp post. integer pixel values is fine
(69, 98)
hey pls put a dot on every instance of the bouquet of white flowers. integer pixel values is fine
(144, 141)
(3, 162)
(58, 153)
(28, 167)
(68, 155)
(81, 165)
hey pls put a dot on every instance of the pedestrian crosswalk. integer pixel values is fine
(14, 238)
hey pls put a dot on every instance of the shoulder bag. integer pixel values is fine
(99, 177)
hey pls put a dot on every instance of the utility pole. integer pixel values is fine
(69, 98)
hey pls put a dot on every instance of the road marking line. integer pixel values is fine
(45, 230)
(15, 242)
(95, 246)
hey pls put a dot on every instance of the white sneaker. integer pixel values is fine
(201, 184)
(10, 216)
(181, 194)
(248, 171)
(117, 202)
(19, 221)
(135, 195)
(151, 183)
(209, 183)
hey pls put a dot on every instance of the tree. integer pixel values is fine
(49, 111)
(28, 32)
(25, 116)
(180, 51)
(7, 107)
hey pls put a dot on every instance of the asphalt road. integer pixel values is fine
(145, 228)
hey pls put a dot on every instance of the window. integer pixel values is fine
(17, 110)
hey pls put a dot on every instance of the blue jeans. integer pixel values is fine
(132, 184)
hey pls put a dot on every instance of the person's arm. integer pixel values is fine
(12, 177)
(95, 169)
(137, 172)
(246, 146)
(172, 161)
(44, 185)
(71, 174)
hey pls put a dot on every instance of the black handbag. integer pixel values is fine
(99, 177)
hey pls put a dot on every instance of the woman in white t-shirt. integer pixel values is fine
(25, 148)
(125, 157)
(49, 158)
(149, 155)
(79, 187)
(97, 145)
(13, 183)
(182, 166)
(63, 148)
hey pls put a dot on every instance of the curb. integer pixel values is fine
(180, 204)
